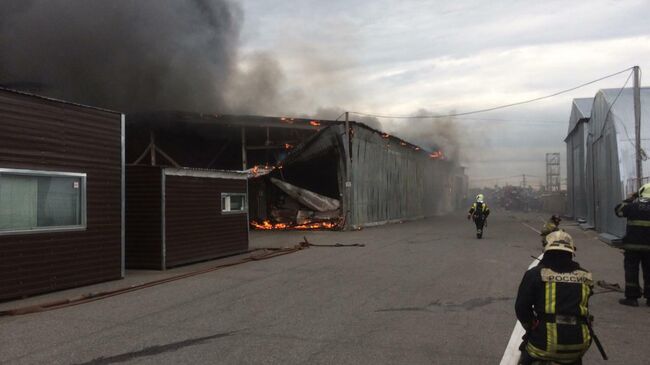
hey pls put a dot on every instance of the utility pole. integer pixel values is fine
(637, 127)
(523, 181)
(244, 161)
(348, 173)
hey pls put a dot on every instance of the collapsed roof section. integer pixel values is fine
(162, 118)
(377, 177)
(214, 141)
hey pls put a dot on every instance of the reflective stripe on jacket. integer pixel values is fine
(637, 212)
(560, 301)
(484, 210)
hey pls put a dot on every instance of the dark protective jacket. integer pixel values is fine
(553, 306)
(548, 228)
(479, 210)
(637, 213)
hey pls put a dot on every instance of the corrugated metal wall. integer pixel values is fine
(195, 227)
(392, 182)
(590, 181)
(608, 190)
(576, 168)
(576, 143)
(611, 157)
(143, 217)
(42, 134)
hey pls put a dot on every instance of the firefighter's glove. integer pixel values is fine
(469, 216)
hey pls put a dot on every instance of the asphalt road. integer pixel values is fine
(425, 292)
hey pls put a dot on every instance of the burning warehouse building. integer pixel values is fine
(362, 177)
(184, 203)
(304, 173)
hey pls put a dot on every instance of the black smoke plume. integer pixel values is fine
(126, 55)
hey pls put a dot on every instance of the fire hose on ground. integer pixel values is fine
(255, 255)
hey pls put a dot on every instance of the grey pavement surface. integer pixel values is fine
(424, 292)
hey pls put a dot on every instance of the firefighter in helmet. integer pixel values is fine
(553, 306)
(552, 225)
(636, 244)
(479, 212)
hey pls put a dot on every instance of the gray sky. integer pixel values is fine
(397, 57)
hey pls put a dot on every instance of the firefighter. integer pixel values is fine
(553, 306)
(636, 244)
(552, 225)
(479, 212)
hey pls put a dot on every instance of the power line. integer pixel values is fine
(514, 120)
(502, 177)
(609, 110)
(492, 108)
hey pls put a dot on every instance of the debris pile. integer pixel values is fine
(299, 208)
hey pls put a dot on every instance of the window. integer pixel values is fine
(233, 203)
(41, 200)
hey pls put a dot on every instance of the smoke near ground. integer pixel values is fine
(122, 54)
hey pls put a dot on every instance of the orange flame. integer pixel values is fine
(255, 171)
(268, 226)
(288, 146)
(437, 155)
(385, 135)
(314, 123)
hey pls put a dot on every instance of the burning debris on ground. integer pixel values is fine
(268, 226)
(297, 208)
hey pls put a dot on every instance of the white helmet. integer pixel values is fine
(479, 198)
(560, 241)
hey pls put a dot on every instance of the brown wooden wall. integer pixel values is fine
(143, 217)
(42, 134)
(195, 228)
